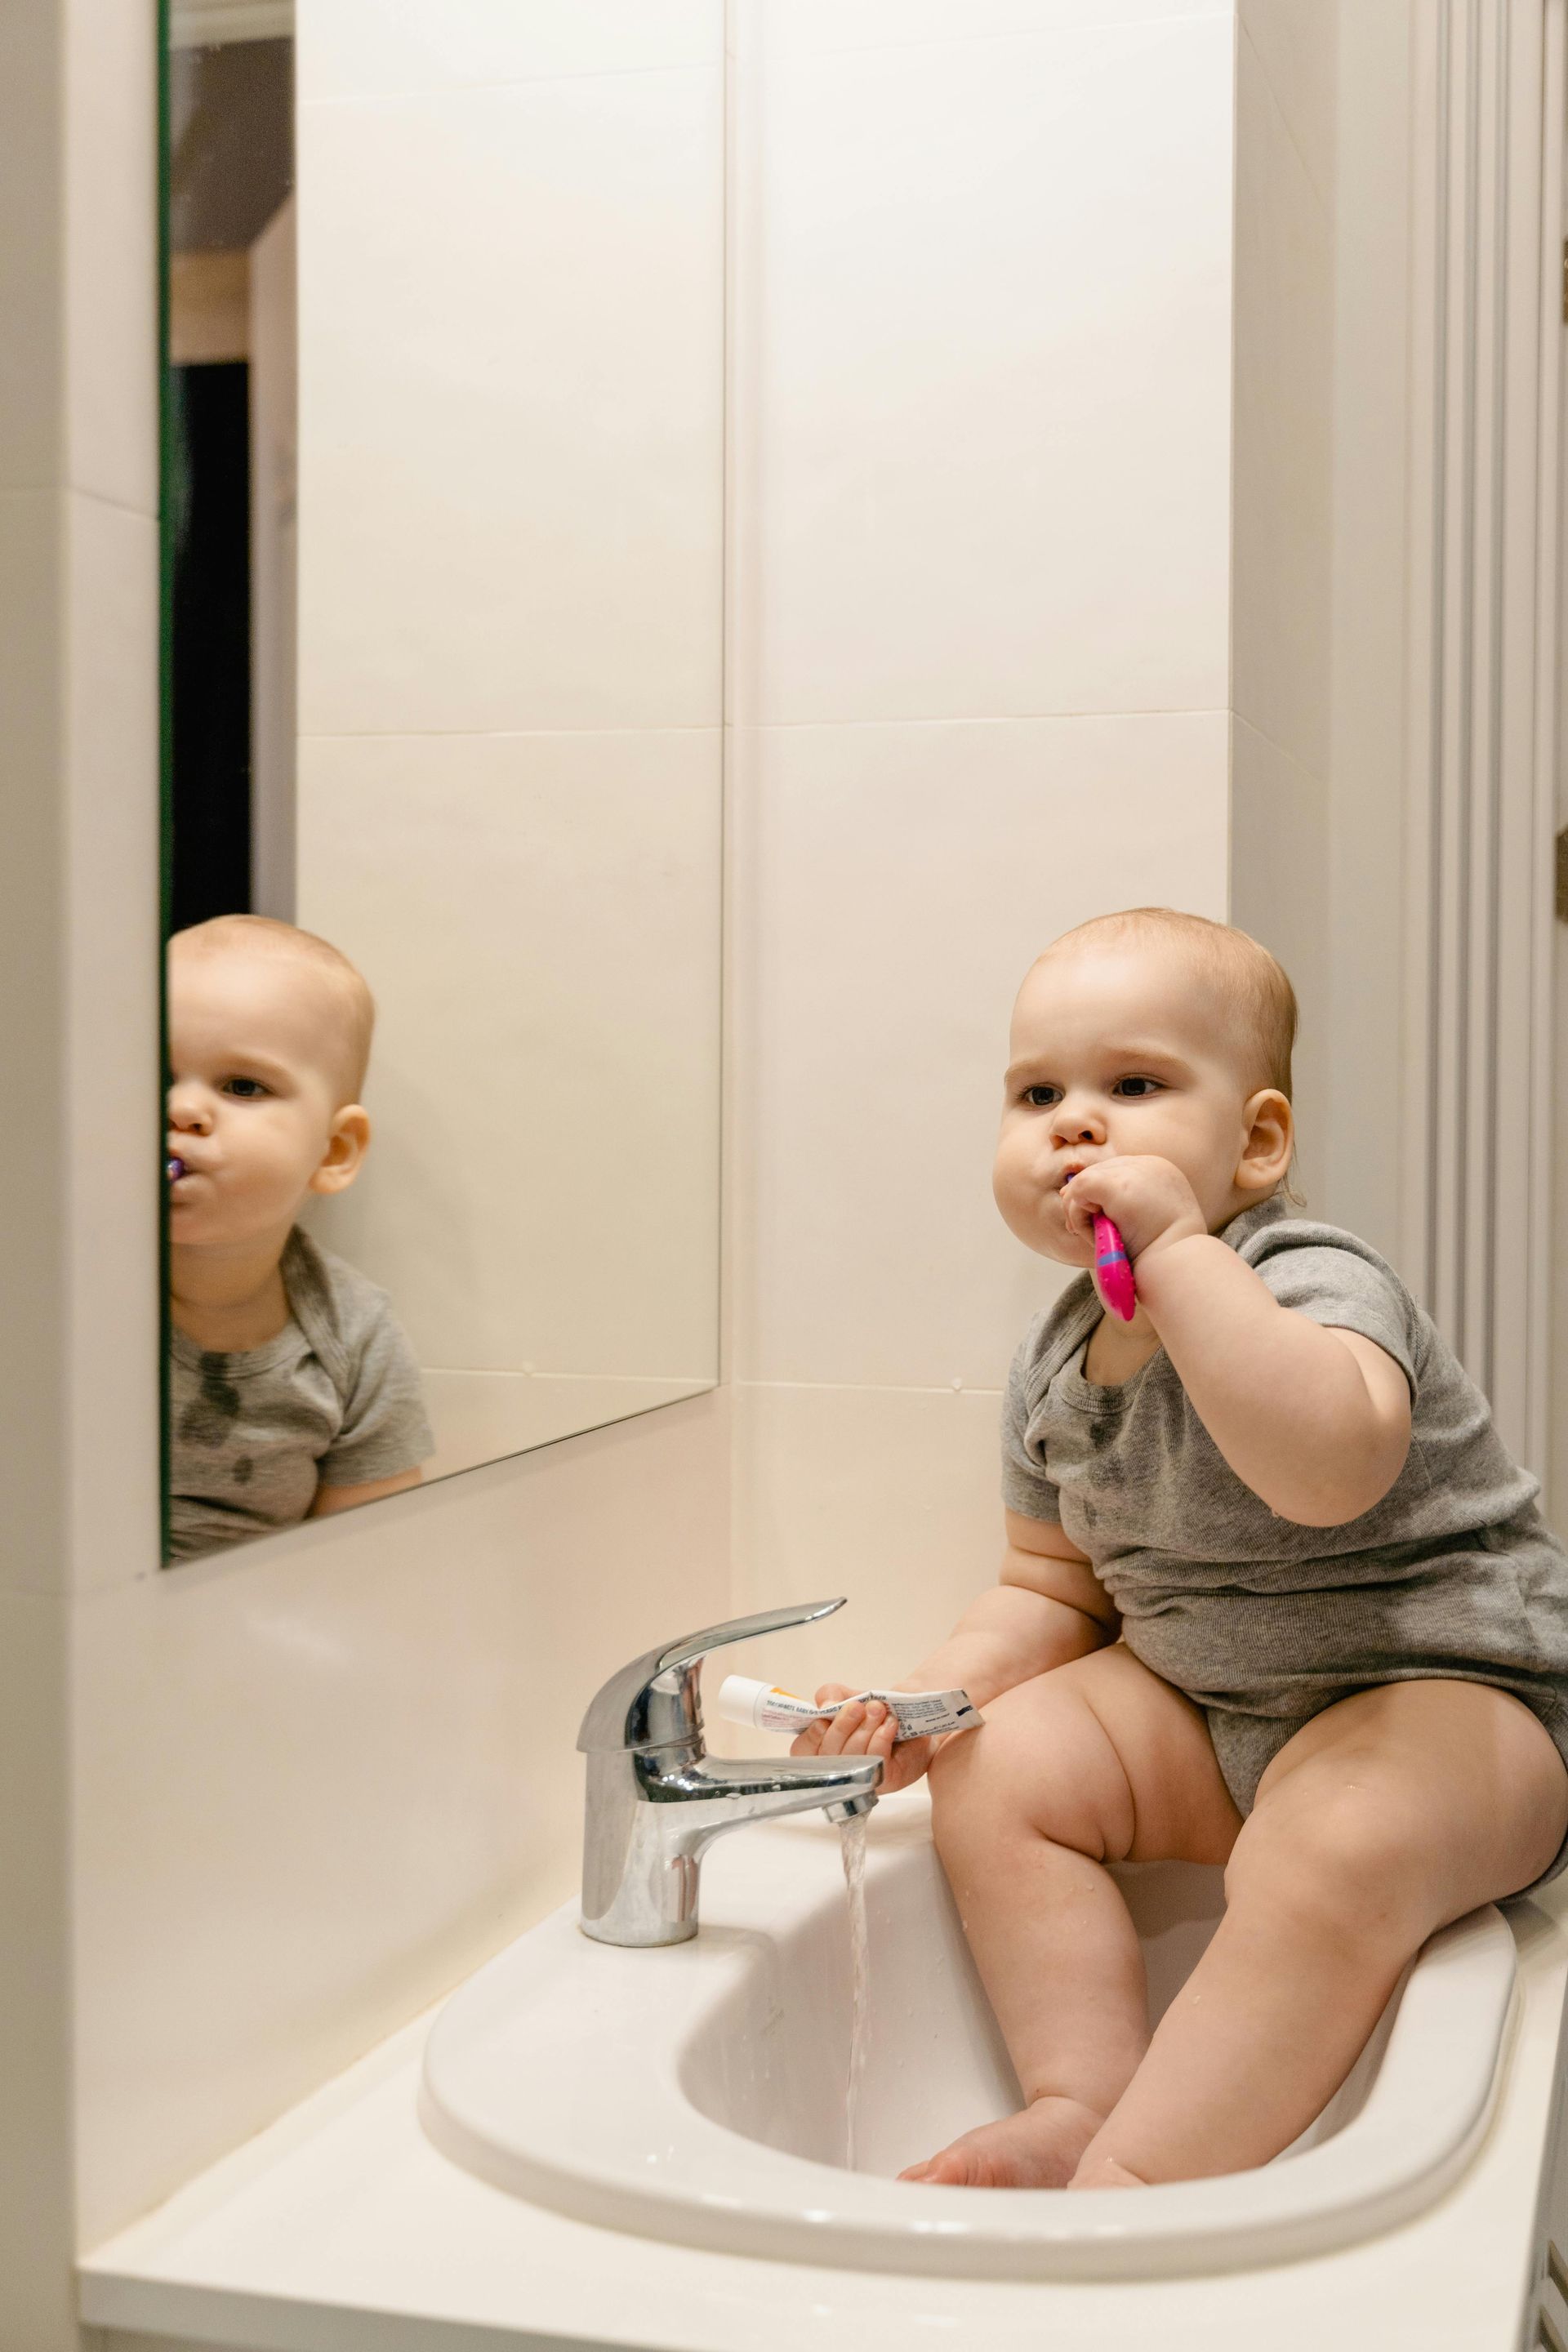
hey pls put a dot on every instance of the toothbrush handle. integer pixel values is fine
(1113, 1270)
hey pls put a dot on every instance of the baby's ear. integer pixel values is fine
(346, 1145)
(1270, 1140)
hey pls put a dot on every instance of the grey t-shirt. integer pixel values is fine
(333, 1398)
(1453, 1574)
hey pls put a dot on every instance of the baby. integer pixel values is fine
(292, 1391)
(1274, 1596)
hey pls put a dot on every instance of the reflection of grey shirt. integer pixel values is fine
(334, 1398)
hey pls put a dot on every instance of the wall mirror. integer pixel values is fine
(443, 594)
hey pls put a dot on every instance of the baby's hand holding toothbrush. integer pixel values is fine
(1126, 1207)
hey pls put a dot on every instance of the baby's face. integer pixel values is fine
(253, 1111)
(1118, 1047)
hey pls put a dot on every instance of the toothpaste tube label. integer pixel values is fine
(919, 1714)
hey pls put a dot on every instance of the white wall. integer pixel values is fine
(981, 413)
(1373, 500)
(255, 1811)
(1282, 520)
(77, 1046)
(321, 1780)
(1322, 434)
(981, 338)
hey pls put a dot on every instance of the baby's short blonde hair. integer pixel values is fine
(346, 1054)
(1244, 973)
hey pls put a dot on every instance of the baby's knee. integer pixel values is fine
(1036, 1768)
(1341, 1864)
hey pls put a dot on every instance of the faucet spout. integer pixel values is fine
(656, 1800)
(651, 1818)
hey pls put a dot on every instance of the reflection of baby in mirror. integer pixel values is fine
(293, 1392)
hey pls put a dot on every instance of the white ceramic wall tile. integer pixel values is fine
(510, 434)
(538, 918)
(36, 2297)
(111, 281)
(321, 1778)
(1296, 44)
(892, 885)
(112, 1160)
(795, 27)
(1283, 521)
(888, 1496)
(984, 361)
(1279, 892)
(357, 48)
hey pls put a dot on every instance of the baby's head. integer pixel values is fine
(269, 1030)
(1148, 1031)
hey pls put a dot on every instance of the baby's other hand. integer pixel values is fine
(864, 1728)
(809, 1741)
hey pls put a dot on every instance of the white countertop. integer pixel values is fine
(341, 2228)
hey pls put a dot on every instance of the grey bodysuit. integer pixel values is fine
(334, 1400)
(1453, 1575)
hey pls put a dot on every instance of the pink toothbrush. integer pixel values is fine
(1113, 1269)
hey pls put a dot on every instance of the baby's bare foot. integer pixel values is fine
(1104, 2172)
(1038, 2148)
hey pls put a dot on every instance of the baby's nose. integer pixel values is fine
(1079, 1127)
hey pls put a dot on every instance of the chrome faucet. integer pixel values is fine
(657, 1800)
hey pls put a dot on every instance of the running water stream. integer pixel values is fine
(852, 1853)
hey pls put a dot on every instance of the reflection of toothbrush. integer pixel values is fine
(175, 1170)
(1113, 1269)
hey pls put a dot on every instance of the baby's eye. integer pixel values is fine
(1041, 1098)
(1136, 1089)
(231, 1086)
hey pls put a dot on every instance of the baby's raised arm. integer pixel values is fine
(1046, 1608)
(1315, 1420)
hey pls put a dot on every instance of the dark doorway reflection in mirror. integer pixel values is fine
(231, 431)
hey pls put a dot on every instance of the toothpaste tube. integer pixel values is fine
(919, 1714)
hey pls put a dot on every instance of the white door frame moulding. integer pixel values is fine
(1486, 311)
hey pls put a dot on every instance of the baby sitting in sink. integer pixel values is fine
(1274, 1595)
(293, 1392)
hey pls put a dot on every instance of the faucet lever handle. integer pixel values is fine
(652, 1702)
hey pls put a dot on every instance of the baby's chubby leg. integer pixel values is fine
(1386, 1816)
(1096, 1761)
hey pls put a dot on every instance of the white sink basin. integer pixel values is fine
(697, 2094)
